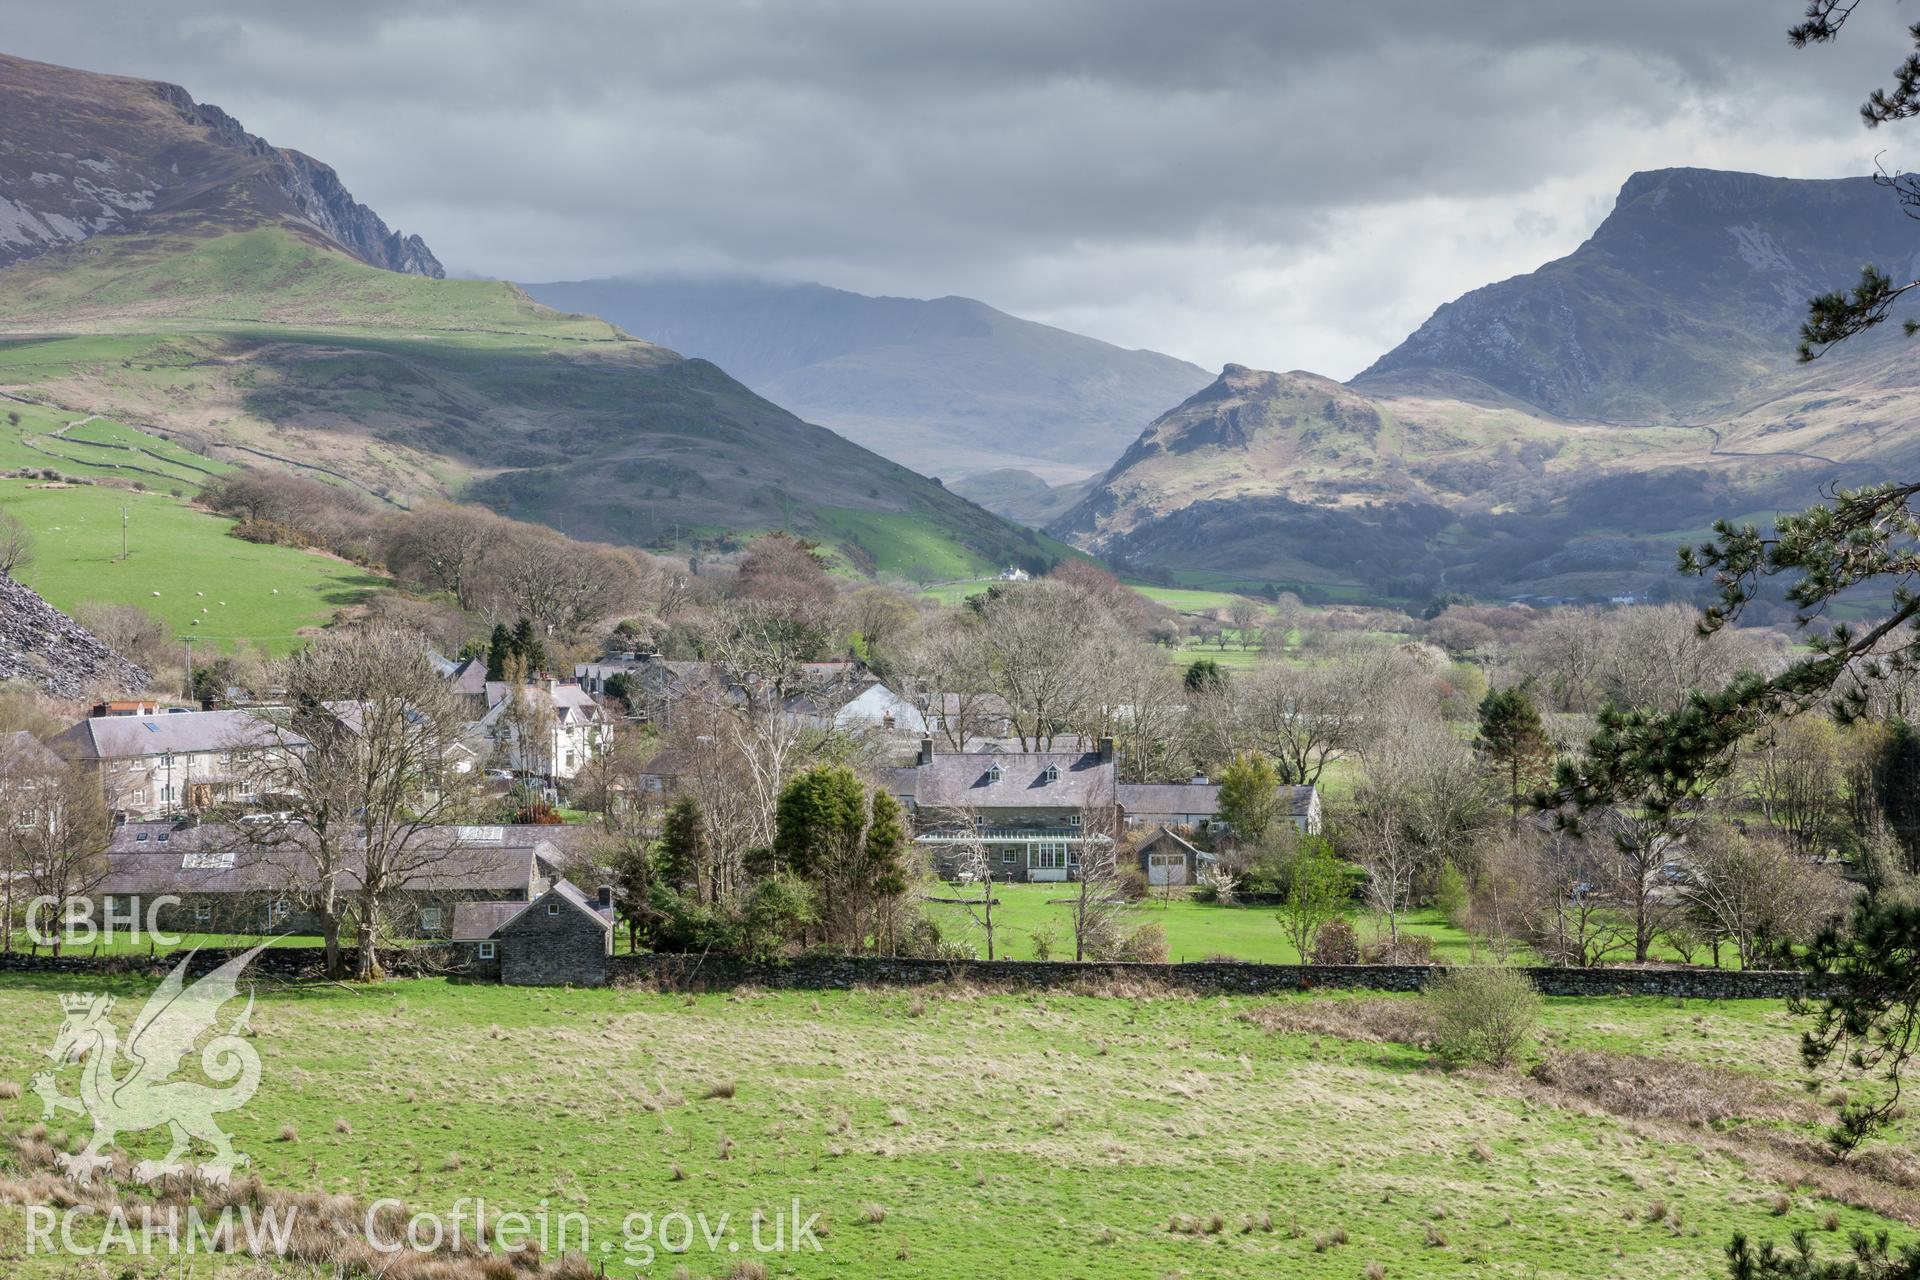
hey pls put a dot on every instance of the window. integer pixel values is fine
(276, 912)
(553, 908)
(486, 951)
(1010, 857)
(202, 913)
(1074, 821)
(1047, 855)
(141, 837)
(1052, 774)
(163, 837)
(993, 773)
(430, 919)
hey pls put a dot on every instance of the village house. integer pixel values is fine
(561, 937)
(545, 729)
(954, 717)
(1194, 806)
(161, 765)
(1029, 815)
(28, 771)
(242, 878)
(652, 686)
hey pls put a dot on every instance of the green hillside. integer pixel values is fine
(181, 566)
(270, 347)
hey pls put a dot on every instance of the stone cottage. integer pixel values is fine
(561, 938)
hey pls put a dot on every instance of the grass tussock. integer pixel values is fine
(328, 1232)
(721, 1089)
(1377, 1020)
(1689, 1093)
(9, 1090)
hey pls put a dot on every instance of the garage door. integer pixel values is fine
(1166, 868)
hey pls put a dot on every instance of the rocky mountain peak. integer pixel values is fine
(1685, 299)
(87, 154)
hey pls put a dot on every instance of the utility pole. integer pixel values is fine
(189, 642)
(123, 533)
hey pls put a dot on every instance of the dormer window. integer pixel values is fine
(1052, 774)
(993, 773)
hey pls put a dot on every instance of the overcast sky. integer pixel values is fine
(1282, 184)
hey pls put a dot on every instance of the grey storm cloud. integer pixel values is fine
(1281, 184)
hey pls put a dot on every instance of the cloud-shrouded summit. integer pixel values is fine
(1282, 185)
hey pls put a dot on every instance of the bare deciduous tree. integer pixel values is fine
(1756, 893)
(62, 849)
(447, 547)
(370, 801)
(1040, 658)
(16, 545)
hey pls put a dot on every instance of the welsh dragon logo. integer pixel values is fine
(132, 1090)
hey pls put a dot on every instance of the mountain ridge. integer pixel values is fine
(228, 309)
(87, 153)
(1558, 432)
(946, 385)
(1684, 301)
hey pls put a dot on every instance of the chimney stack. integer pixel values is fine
(926, 752)
(604, 898)
(1106, 750)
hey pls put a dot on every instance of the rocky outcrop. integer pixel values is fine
(1687, 298)
(44, 647)
(316, 191)
(85, 155)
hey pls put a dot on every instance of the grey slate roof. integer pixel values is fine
(570, 894)
(158, 857)
(966, 781)
(1170, 797)
(477, 921)
(133, 737)
(21, 750)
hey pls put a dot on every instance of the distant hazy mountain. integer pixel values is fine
(1022, 495)
(1686, 299)
(1554, 434)
(82, 154)
(948, 386)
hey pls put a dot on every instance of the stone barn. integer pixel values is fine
(560, 939)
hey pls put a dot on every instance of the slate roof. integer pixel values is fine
(135, 737)
(569, 893)
(476, 921)
(965, 781)
(1170, 797)
(158, 857)
(22, 750)
(571, 704)
(1167, 835)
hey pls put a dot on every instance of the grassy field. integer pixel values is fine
(955, 1133)
(183, 567)
(1195, 930)
(77, 445)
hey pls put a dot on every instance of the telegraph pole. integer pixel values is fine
(189, 642)
(123, 533)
